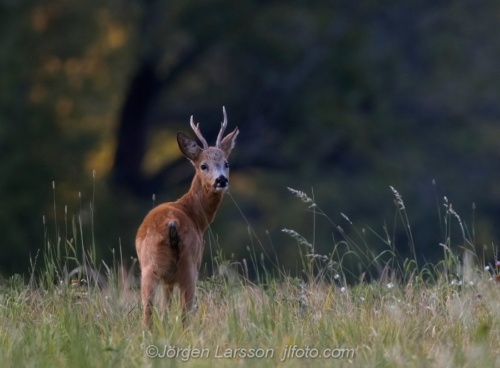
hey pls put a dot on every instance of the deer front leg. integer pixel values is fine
(149, 282)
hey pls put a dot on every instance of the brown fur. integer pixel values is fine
(170, 241)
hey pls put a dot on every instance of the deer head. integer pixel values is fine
(210, 162)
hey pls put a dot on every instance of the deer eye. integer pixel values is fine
(226, 165)
(204, 167)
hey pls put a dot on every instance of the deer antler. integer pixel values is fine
(196, 129)
(222, 129)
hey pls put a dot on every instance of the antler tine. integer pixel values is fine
(196, 129)
(222, 128)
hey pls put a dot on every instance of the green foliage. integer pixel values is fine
(60, 322)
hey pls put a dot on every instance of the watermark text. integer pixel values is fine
(219, 352)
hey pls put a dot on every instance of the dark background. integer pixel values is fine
(343, 98)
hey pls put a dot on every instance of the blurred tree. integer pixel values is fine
(332, 95)
(343, 97)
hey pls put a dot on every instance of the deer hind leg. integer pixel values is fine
(165, 297)
(188, 288)
(149, 283)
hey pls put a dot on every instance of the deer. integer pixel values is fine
(169, 241)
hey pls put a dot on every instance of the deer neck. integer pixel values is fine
(201, 203)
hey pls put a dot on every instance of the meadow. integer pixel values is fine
(395, 313)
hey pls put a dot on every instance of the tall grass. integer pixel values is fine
(76, 312)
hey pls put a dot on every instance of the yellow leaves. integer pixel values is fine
(101, 159)
(73, 66)
(114, 33)
(64, 107)
(38, 93)
(41, 16)
(73, 76)
(162, 149)
(116, 36)
(39, 19)
(89, 66)
(52, 64)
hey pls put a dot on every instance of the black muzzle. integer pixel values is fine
(221, 182)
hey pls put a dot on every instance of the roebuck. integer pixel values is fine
(170, 241)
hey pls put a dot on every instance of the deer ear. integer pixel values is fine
(188, 146)
(228, 142)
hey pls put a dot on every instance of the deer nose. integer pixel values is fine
(221, 182)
